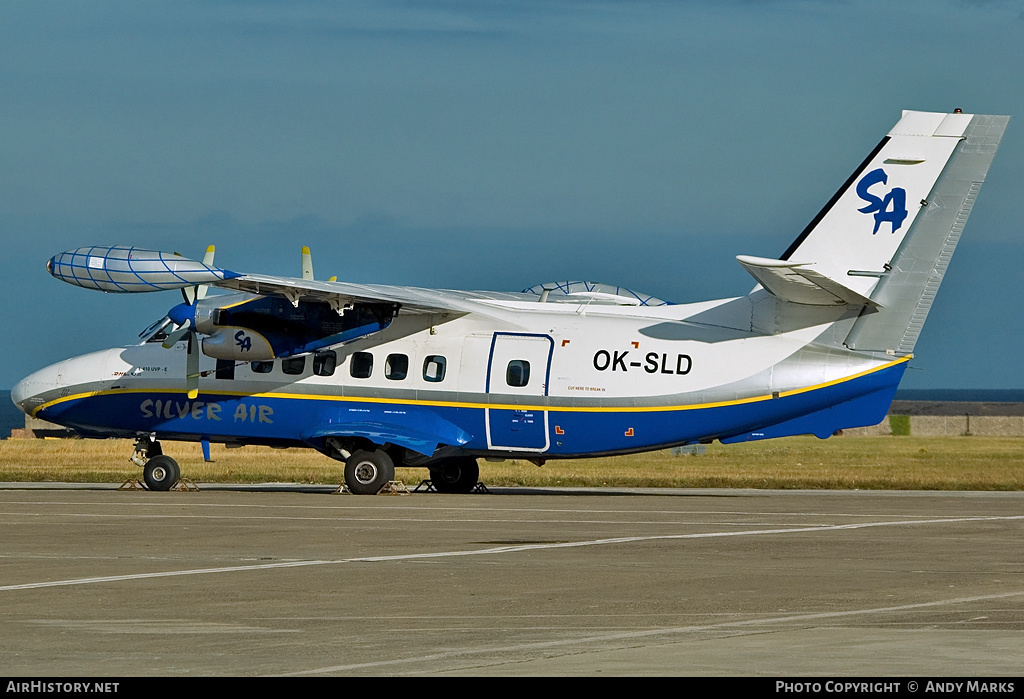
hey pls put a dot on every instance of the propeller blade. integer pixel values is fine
(192, 366)
(307, 263)
(189, 294)
(174, 337)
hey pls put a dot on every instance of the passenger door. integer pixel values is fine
(518, 373)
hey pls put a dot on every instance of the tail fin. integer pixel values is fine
(884, 240)
(858, 232)
(911, 278)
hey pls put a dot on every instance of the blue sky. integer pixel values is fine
(486, 144)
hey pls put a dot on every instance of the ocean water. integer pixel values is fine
(10, 416)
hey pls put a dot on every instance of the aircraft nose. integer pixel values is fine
(28, 394)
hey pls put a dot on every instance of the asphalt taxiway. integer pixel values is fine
(278, 581)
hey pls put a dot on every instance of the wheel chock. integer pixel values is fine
(132, 484)
(389, 488)
(185, 485)
(394, 488)
(427, 485)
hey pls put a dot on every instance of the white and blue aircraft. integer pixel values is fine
(381, 375)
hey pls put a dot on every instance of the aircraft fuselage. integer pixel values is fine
(568, 380)
(377, 375)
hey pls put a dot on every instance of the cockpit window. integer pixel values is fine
(157, 332)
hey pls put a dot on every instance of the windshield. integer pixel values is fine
(156, 332)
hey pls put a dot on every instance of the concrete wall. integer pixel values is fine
(36, 428)
(950, 426)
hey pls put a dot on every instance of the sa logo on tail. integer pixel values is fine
(896, 199)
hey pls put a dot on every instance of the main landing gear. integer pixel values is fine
(369, 469)
(160, 472)
(455, 475)
(366, 472)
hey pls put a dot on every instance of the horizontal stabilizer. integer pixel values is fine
(795, 282)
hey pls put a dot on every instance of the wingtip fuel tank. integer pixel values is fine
(124, 269)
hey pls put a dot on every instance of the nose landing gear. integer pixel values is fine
(160, 472)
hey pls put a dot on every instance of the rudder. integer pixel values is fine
(910, 281)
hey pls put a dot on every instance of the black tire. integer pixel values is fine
(366, 472)
(161, 473)
(455, 475)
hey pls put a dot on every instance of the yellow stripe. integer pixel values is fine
(495, 406)
(234, 305)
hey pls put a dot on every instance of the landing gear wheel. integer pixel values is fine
(455, 475)
(161, 473)
(366, 472)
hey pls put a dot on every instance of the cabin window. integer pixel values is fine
(361, 365)
(293, 366)
(433, 368)
(261, 367)
(324, 363)
(396, 367)
(225, 369)
(518, 373)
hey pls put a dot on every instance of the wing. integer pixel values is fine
(340, 295)
(125, 269)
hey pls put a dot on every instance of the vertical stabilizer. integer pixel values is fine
(908, 286)
(856, 235)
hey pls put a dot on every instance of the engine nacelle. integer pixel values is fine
(263, 328)
(238, 344)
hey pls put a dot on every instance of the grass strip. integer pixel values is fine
(885, 463)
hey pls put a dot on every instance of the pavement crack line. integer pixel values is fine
(496, 550)
(654, 633)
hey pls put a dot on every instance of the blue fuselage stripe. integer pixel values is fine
(285, 419)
